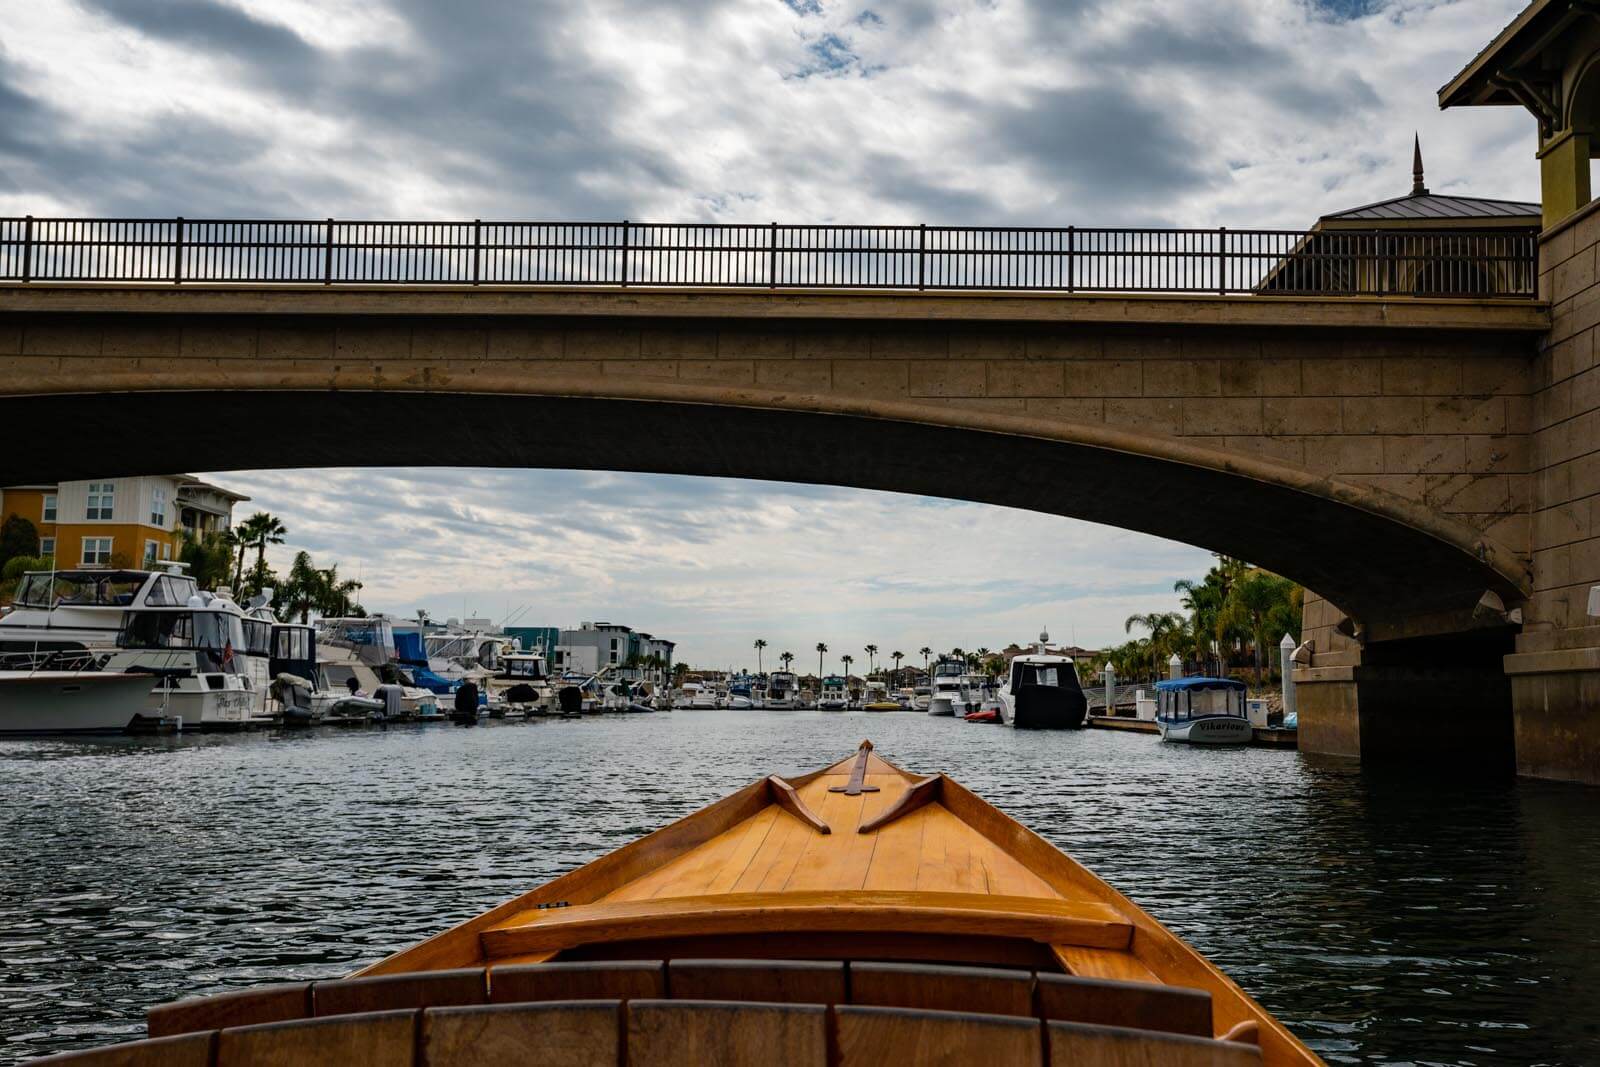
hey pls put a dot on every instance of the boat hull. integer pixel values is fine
(72, 702)
(941, 706)
(1209, 730)
(1045, 707)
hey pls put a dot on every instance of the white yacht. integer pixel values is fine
(835, 694)
(1042, 692)
(977, 687)
(949, 695)
(65, 693)
(72, 610)
(363, 648)
(191, 651)
(783, 691)
(523, 684)
(921, 697)
(758, 692)
(704, 698)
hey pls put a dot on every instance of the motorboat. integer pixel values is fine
(190, 652)
(783, 691)
(835, 695)
(702, 697)
(758, 692)
(877, 698)
(977, 687)
(1203, 711)
(990, 714)
(1042, 692)
(949, 696)
(522, 684)
(905, 697)
(810, 919)
(362, 649)
(83, 608)
(67, 693)
(921, 698)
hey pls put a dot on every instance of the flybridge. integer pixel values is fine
(1348, 262)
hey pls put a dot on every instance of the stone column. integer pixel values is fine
(1555, 667)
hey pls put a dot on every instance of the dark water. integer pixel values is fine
(1384, 920)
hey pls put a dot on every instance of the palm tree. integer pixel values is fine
(303, 590)
(897, 657)
(870, 650)
(822, 650)
(760, 644)
(787, 658)
(238, 540)
(336, 593)
(926, 652)
(847, 659)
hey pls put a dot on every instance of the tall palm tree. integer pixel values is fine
(846, 659)
(870, 650)
(238, 539)
(259, 531)
(926, 652)
(787, 658)
(822, 650)
(897, 657)
(760, 644)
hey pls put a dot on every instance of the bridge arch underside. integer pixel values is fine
(1381, 559)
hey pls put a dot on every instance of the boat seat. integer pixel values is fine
(571, 1033)
(986, 990)
(601, 980)
(872, 1037)
(1140, 1005)
(779, 981)
(426, 989)
(265, 1004)
(386, 1037)
(184, 1050)
(727, 1034)
(1077, 1045)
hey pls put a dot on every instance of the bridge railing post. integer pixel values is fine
(477, 248)
(1222, 261)
(1072, 258)
(623, 266)
(27, 249)
(772, 256)
(177, 251)
(922, 255)
(327, 253)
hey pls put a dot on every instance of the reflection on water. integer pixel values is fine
(1383, 920)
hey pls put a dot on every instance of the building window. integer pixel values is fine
(47, 547)
(166, 550)
(158, 508)
(96, 551)
(102, 495)
(49, 514)
(151, 551)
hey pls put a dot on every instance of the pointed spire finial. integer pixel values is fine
(1417, 188)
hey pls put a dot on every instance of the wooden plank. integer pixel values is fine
(839, 862)
(1134, 1005)
(931, 987)
(388, 1037)
(897, 854)
(761, 827)
(595, 980)
(946, 865)
(389, 992)
(267, 1004)
(718, 1032)
(1046, 921)
(1103, 963)
(1077, 1045)
(178, 1050)
(556, 1035)
(774, 981)
(691, 873)
(873, 1037)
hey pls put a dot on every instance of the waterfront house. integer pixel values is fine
(120, 521)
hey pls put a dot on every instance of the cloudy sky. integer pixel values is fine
(1260, 113)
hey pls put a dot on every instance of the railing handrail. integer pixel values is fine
(1066, 259)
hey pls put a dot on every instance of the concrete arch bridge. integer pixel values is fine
(1377, 450)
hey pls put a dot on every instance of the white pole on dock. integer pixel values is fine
(1111, 683)
(1174, 667)
(1286, 664)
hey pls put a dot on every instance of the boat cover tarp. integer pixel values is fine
(1049, 707)
(1171, 684)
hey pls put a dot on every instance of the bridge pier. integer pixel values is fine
(1427, 703)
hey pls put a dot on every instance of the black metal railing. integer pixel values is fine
(1055, 259)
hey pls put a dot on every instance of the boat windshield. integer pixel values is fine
(257, 637)
(530, 667)
(77, 589)
(948, 669)
(291, 643)
(1036, 674)
(216, 632)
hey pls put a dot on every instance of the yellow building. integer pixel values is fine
(119, 522)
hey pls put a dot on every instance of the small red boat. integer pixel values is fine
(985, 715)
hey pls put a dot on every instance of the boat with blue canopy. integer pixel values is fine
(1202, 711)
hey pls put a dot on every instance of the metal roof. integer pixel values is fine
(1431, 206)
